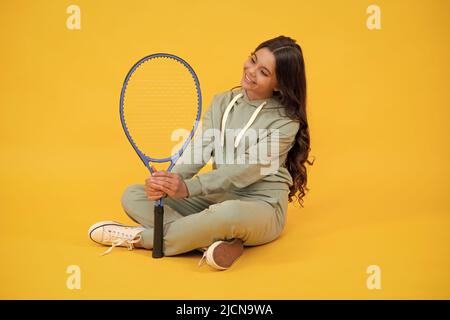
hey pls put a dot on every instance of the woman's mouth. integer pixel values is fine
(248, 80)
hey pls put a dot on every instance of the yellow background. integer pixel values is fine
(378, 111)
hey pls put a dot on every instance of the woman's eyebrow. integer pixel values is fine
(256, 59)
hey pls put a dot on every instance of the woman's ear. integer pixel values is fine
(275, 85)
(278, 91)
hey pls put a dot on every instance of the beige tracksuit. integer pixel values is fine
(239, 198)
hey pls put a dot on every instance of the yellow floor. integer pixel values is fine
(323, 253)
(378, 113)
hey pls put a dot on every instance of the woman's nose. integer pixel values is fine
(251, 71)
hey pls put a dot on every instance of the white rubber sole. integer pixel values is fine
(209, 256)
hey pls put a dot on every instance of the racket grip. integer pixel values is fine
(158, 232)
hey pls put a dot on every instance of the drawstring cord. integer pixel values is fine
(249, 123)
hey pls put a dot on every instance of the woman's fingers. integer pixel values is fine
(172, 178)
(165, 183)
(154, 197)
(163, 186)
(166, 190)
(153, 193)
(155, 179)
(171, 184)
(168, 179)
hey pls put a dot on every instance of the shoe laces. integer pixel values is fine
(202, 260)
(119, 238)
(207, 255)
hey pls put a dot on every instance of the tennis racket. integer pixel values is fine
(160, 95)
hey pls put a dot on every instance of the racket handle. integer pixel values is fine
(158, 232)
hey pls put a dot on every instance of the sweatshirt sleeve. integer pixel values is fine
(237, 176)
(199, 151)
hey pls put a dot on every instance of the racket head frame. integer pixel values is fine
(174, 157)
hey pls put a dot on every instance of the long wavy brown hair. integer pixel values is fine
(291, 78)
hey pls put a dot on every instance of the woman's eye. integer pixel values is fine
(253, 61)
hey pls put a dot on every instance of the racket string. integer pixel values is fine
(160, 102)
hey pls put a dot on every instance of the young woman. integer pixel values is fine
(236, 204)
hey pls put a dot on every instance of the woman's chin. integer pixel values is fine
(245, 85)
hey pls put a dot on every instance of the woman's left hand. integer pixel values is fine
(170, 183)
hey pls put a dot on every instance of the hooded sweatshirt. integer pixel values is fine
(233, 115)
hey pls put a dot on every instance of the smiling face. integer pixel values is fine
(259, 78)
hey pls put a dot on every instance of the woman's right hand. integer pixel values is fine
(152, 193)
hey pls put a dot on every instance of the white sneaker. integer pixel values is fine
(114, 234)
(222, 254)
